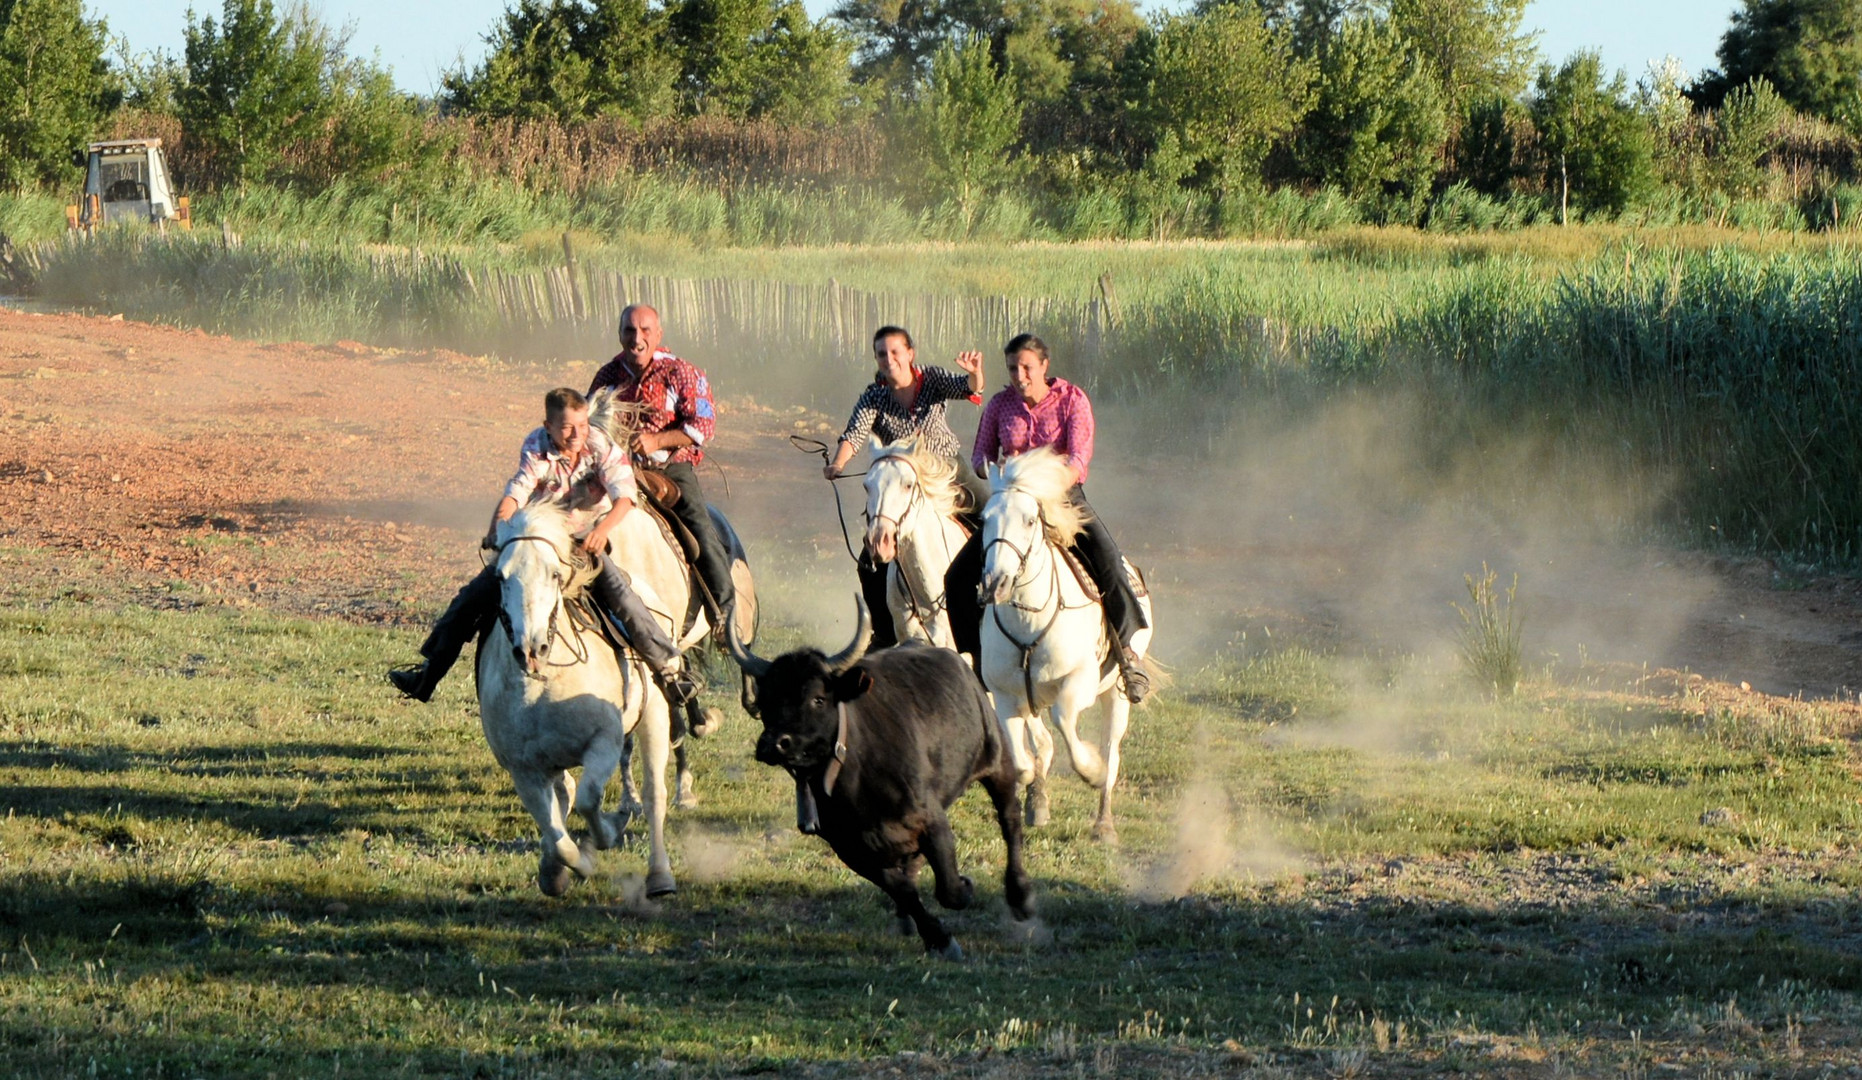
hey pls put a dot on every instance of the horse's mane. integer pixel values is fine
(1043, 475)
(619, 420)
(937, 475)
(540, 519)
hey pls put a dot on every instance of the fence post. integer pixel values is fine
(575, 288)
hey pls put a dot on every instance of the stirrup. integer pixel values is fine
(678, 686)
(1131, 671)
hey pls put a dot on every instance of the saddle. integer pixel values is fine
(657, 487)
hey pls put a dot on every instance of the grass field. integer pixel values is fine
(229, 852)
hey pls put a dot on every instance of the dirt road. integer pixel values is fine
(177, 468)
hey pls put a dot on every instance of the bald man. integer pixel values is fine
(678, 422)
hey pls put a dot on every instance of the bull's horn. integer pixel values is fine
(753, 665)
(862, 635)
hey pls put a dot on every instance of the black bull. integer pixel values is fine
(913, 730)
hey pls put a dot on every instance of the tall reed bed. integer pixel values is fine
(1721, 384)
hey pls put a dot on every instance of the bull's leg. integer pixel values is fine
(1017, 888)
(655, 732)
(1043, 741)
(561, 860)
(939, 846)
(905, 924)
(598, 764)
(904, 892)
(1118, 716)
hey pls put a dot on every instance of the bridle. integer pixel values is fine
(1025, 575)
(926, 612)
(577, 648)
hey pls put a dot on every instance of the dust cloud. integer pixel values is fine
(1211, 842)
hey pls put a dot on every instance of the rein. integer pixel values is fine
(821, 448)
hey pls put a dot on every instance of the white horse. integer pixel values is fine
(659, 572)
(912, 497)
(552, 695)
(1043, 636)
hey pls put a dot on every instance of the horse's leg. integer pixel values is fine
(1076, 695)
(1043, 742)
(630, 795)
(656, 735)
(683, 795)
(598, 764)
(1118, 716)
(561, 860)
(1014, 731)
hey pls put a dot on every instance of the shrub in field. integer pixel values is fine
(1490, 633)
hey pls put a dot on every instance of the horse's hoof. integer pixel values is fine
(1106, 833)
(708, 722)
(687, 800)
(585, 861)
(951, 951)
(1037, 812)
(554, 878)
(905, 926)
(659, 884)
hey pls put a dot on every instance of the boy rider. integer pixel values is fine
(579, 469)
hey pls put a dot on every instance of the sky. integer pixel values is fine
(420, 39)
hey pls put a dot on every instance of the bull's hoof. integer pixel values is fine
(1105, 832)
(950, 951)
(660, 884)
(708, 722)
(554, 877)
(1037, 812)
(905, 926)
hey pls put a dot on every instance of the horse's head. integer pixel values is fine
(533, 553)
(1011, 529)
(891, 491)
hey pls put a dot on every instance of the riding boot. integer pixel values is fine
(713, 563)
(873, 588)
(615, 594)
(473, 610)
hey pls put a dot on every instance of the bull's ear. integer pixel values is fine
(852, 684)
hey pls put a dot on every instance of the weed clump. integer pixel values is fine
(1490, 633)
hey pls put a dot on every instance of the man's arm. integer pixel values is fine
(596, 542)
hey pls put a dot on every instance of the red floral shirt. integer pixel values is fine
(1010, 426)
(677, 395)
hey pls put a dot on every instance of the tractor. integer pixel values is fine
(126, 182)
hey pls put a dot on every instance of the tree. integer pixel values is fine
(749, 58)
(1746, 128)
(1377, 120)
(964, 122)
(53, 87)
(1475, 47)
(1595, 146)
(255, 84)
(1809, 50)
(1229, 86)
(1311, 22)
(570, 60)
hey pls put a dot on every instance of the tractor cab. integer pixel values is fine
(126, 182)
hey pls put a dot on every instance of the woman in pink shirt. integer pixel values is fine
(1033, 411)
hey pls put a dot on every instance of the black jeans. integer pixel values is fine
(714, 563)
(1095, 548)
